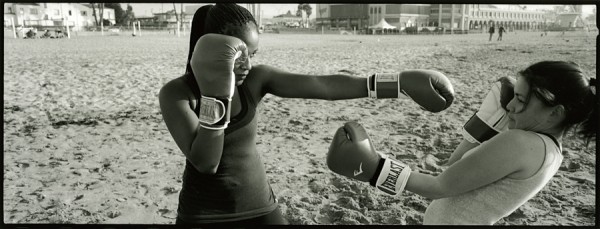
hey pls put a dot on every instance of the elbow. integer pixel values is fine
(205, 168)
(434, 189)
(202, 165)
(440, 190)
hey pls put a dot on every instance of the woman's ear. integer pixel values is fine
(558, 114)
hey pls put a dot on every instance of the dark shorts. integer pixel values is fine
(273, 218)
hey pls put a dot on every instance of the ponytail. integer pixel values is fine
(589, 127)
(197, 30)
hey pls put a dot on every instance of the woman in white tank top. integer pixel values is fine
(487, 181)
(493, 179)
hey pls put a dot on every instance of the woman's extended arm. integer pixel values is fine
(496, 158)
(327, 87)
(351, 154)
(430, 89)
(202, 147)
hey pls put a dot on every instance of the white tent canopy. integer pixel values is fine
(382, 25)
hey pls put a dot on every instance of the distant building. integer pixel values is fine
(570, 17)
(343, 16)
(169, 19)
(514, 18)
(147, 21)
(400, 15)
(76, 15)
(449, 16)
(285, 19)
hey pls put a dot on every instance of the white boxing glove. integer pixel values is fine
(491, 118)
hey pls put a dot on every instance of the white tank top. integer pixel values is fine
(490, 203)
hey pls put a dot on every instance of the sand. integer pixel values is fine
(84, 140)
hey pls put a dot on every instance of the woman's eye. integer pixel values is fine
(241, 60)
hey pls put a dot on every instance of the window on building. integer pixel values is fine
(10, 10)
(33, 11)
(45, 16)
(83, 13)
(378, 10)
(70, 13)
(21, 11)
(371, 10)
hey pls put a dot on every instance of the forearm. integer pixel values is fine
(339, 87)
(425, 185)
(206, 150)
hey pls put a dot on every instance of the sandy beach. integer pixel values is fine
(84, 140)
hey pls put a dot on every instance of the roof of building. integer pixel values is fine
(488, 6)
(382, 25)
(33, 4)
(573, 18)
(288, 14)
(168, 12)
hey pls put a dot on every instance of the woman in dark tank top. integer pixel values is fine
(224, 181)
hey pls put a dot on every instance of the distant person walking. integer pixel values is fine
(491, 31)
(500, 32)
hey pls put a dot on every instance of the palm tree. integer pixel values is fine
(307, 9)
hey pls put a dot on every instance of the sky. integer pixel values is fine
(270, 10)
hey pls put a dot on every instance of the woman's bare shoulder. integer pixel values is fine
(175, 89)
(516, 136)
(262, 71)
(519, 141)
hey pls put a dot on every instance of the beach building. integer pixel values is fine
(451, 17)
(400, 15)
(287, 19)
(343, 16)
(169, 19)
(570, 18)
(45, 15)
(513, 17)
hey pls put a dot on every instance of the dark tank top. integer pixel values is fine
(239, 190)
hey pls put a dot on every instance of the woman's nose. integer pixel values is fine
(246, 65)
(511, 105)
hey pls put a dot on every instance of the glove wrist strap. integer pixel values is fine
(478, 131)
(393, 177)
(214, 112)
(385, 85)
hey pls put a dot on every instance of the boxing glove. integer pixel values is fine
(430, 89)
(491, 118)
(352, 154)
(212, 64)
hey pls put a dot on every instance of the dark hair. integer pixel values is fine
(563, 83)
(222, 18)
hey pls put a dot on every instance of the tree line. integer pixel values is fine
(122, 17)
